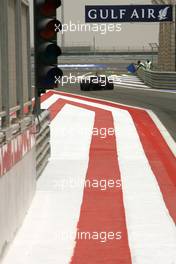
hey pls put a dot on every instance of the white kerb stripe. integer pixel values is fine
(151, 231)
(74, 127)
(49, 230)
(49, 101)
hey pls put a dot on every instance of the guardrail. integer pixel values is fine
(158, 79)
(17, 127)
(43, 148)
(42, 132)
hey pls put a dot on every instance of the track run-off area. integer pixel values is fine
(108, 193)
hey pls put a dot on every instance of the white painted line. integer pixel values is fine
(48, 232)
(49, 101)
(131, 85)
(134, 83)
(146, 89)
(99, 103)
(151, 230)
(131, 81)
(131, 78)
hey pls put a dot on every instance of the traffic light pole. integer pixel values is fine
(37, 107)
(46, 51)
(175, 33)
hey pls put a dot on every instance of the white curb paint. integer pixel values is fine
(48, 232)
(151, 230)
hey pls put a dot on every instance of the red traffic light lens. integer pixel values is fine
(49, 8)
(49, 29)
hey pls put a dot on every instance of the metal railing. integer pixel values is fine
(158, 79)
(43, 148)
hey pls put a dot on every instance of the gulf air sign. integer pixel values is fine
(128, 13)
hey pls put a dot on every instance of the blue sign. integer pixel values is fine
(128, 13)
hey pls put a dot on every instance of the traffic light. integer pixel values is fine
(46, 27)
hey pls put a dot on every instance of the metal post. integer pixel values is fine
(175, 35)
(94, 45)
(63, 21)
(29, 60)
(37, 106)
(5, 61)
(19, 68)
(152, 54)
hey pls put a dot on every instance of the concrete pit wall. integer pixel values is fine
(17, 184)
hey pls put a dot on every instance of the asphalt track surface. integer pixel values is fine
(163, 104)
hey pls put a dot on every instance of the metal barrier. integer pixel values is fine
(158, 79)
(42, 141)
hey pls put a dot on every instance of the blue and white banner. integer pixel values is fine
(128, 13)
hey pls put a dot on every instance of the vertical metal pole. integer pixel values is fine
(5, 62)
(175, 35)
(94, 45)
(19, 68)
(37, 107)
(29, 59)
(152, 55)
(1, 40)
(63, 21)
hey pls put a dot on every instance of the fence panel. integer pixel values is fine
(25, 83)
(0, 75)
(12, 52)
